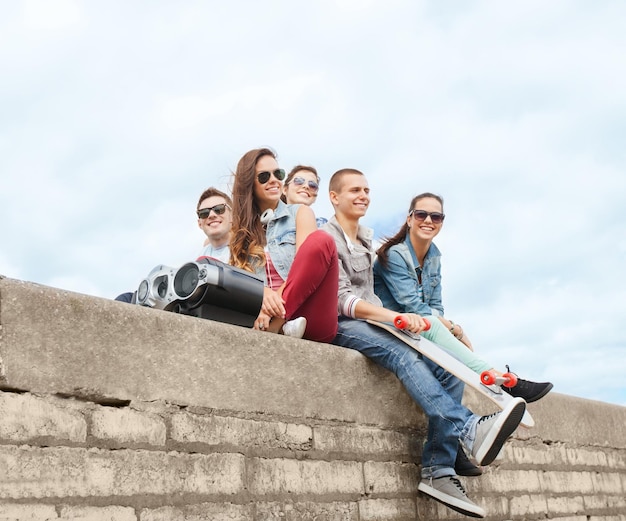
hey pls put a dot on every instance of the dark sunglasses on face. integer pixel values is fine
(313, 186)
(219, 209)
(264, 177)
(421, 215)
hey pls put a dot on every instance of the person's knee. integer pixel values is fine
(323, 242)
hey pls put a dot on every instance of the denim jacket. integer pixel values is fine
(280, 235)
(397, 285)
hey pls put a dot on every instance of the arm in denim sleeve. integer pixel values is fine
(403, 284)
(435, 302)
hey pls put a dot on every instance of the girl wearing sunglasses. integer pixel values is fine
(301, 187)
(407, 278)
(282, 245)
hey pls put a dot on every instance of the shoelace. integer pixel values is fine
(520, 382)
(457, 482)
(485, 418)
(508, 370)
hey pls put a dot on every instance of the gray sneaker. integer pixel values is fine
(449, 491)
(295, 328)
(493, 430)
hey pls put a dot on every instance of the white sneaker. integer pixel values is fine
(295, 328)
(493, 430)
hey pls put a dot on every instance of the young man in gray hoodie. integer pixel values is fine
(438, 393)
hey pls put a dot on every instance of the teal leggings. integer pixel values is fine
(440, 335)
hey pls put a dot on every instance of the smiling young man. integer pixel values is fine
(215, 219)
(437, 392)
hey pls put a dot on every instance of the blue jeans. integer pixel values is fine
(436, 391)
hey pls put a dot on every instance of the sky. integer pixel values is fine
(116, 115)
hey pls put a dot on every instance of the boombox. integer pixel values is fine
(205, 288)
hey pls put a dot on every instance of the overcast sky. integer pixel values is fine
(116, 115)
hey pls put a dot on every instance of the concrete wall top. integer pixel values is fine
(54, 341)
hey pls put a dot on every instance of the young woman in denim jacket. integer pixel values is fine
(282, 245)
(407, 279)
(301, 187)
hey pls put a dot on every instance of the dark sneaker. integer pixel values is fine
(449, 491)
(464, 467)
(529, 391)
(493, 430)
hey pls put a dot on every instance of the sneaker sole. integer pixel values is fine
(500, 432)
(450, 502)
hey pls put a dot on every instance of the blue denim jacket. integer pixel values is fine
(280, 235)
(397, 285)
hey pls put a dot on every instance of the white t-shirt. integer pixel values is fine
(222, 253)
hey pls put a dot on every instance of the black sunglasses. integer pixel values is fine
(264, 177)
(219, 209)
(299, 181)
(421, 215)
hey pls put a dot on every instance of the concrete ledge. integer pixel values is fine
(576, 420)
(58, 342)
(54, 341)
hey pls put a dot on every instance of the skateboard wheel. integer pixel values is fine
(488, 377)
(510, 380)
(400, 322)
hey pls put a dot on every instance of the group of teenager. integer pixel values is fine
(322, 280)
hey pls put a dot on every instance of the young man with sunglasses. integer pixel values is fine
(215, 219)
(439, 394)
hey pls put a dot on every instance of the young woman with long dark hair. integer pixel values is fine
(282, 245)
(407, 279)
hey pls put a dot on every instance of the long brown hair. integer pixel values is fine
(399, 237)
(247, 239)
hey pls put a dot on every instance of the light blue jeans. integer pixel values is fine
(436, 391)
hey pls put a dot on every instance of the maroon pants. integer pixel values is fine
(313, 285)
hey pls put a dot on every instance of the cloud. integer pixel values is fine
(39, 15)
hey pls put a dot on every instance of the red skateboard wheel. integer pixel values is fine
(488, 377)
(401, 323)
(510, 380)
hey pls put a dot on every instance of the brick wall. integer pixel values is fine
(115, 412)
